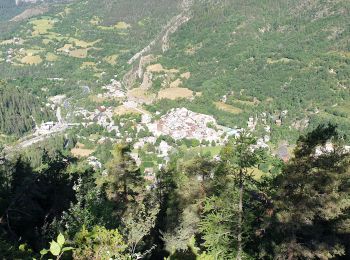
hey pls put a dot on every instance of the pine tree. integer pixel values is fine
(239, 157)
(313, 199)
(125, 177)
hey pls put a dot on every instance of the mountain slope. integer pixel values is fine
(293, 55)
(283, 64)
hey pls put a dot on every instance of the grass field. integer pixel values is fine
(51, 57)
(41, 26)
(175, 84)
(80, 151)
(158, 68)
(122, 110)
(118, 26)
(122, 25)
(71, 51)
(88, 65)
(31, 59)
(213, 150)
(78, 53)
(228, 108)
(142, 94)
(282, 60)
(112, 60)
(186, 75)
(83, 44)
(175, 93)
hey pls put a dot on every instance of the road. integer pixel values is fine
(41, 135)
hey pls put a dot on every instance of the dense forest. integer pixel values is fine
(202, 209)
(20, 111)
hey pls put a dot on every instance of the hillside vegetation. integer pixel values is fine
(278, 55)
(20, 111)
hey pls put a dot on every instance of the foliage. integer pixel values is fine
(19, 111)
(218, 226)
(99, 243)
(57, 247)
(139, 225)
(312, 199)
(124, 176)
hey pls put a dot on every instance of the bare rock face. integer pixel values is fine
(28, 13)
(18, 2)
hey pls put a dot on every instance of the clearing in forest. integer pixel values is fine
(80, 151)
(175, 93)
(41, 26)
(78, 53)
(141, 94)
(186, 75)
(71, 51)
(282, 60)
(31, 59)
(118, 26)
(228, 108)
(158, 68)
(51, 57)
(112, 60)
(88, 65)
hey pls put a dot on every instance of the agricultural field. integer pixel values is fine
(74, 36)
(228, 108)
(175, 93)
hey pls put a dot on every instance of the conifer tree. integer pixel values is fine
(313, 199)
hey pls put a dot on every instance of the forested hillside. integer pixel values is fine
(20, 111)
(268, 56)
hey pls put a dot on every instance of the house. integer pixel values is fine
(164, 149)
(278, 122)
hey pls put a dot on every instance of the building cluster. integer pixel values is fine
(46, 128)
(102, 116)
(94, 162)
(181, 123)
(265, 119)
(10, 55)
(113, 90)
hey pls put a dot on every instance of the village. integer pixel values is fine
(150, 135)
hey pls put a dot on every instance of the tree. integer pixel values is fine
(138, 225)
(312, 204)
(90, 208)
(239, 157)
(36, 198)
(99, 243)
(218, 225)
(202, 166)
(165, 184)
(125, 176)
